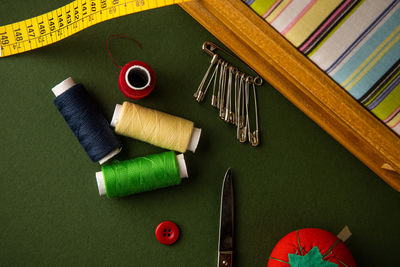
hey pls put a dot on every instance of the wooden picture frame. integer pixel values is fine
(302, 83)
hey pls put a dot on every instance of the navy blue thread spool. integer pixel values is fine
(86, 121)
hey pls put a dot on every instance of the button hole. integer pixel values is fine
(164, 234)
(169, 230)
(169, 234)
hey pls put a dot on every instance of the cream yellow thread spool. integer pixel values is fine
(155, 127)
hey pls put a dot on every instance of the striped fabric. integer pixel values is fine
(356, 42)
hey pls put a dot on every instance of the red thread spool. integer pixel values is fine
(136, 80)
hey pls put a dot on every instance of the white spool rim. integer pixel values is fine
(182, 166)
(100, 183)
(63, 86)
(109, 155)
(116, 115)
(194, 139)
(147, 73)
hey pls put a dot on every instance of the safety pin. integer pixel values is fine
(221, 97)
(214, 101)
(221, 76)
(246, 129)
(228, 102)
(213, 77)
(242, 114)
(253, 136)
(235, 121)
(247, 94)
(199, 94)
(228, 95)
(241, 127)
(237, 108)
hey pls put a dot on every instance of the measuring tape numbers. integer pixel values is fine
(65, 21)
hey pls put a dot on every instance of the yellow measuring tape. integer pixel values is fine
(67, 20)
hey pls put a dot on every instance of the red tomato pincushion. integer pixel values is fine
(311, 247)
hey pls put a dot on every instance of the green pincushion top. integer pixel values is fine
(312, 259)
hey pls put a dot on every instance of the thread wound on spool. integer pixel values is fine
(154, 127)
(87, 122)
(136, 80)
(141, 174)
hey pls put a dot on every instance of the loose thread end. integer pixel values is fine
(123, 36)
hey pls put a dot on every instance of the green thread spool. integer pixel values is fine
(142, 174)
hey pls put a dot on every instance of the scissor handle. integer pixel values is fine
(225, 259)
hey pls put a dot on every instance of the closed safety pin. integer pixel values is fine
(253, 136)
(241, 127)
(214, 101)
(221, 91)
(235, 121)
(229, 115)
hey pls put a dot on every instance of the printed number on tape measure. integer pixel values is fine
(67, 20)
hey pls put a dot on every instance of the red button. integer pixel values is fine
(167, 233)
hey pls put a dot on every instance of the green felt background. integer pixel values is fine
(50, 210)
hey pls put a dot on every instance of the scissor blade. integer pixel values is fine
(226, 220)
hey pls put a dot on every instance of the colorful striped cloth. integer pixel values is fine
(356, 42)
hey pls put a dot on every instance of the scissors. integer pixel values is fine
(225, 241)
